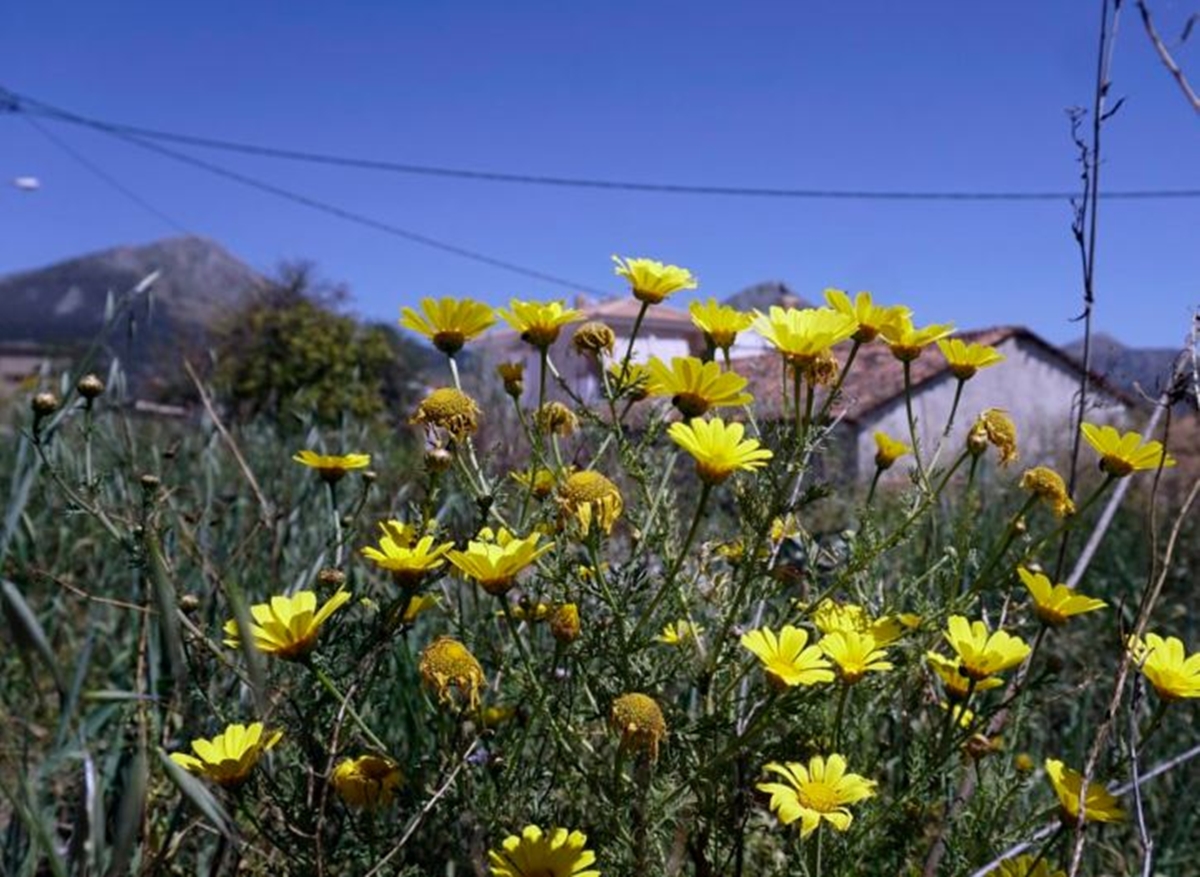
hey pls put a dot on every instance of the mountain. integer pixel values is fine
(762, 296)
(1129, 368)
(63, 303)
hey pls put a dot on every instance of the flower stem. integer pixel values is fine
(328, 685)
(669, 581)
(953, 409)
(637, 324)
(912, 426)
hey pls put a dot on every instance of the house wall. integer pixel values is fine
(1034, 387)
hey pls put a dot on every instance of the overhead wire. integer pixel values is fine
(21, 103)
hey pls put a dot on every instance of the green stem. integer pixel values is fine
(874, 484)
(328, 685)
(669, 581)
(843, 696)
(337, 524)
(637, 324)
(953, 409)
(912, 426)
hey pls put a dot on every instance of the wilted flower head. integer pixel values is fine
(556, 418)
(536, 853)
(1048, 485)
(446, 664)
(368, 782)
(594, 338)
(332, 467)
(450, 410)
(449, 322)
(719, 323)
(287, 627)
(695, 386)
(590, 498)
(870, 318)
(651, 281)
(816, 792)
(994, 427)
(1121, 455)
(639, 721)
(228, 758)
(513, 376)
(564, 623)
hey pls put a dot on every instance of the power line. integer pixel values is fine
(344, 213)
(105, 176)
(22, 104)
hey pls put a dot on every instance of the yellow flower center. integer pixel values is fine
(449, 409)
(819, 796)
(585, 487)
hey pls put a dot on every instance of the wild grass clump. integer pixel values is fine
(614, 642)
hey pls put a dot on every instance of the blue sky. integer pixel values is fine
(855, 95)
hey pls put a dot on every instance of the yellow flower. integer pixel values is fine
(369, 781)
(957, 685)
(495, 716)
(408, 558)
(855, 654)
(719, 323)
(557, 418)
(1121, 455)
(965, 358)
(449, 322)
(639, 721)
(785, 658)
(527, 611)
(1023, 762)
(959, 714)
(652, 281)
(564, 623)
(636, 384)
(1023, 866)
(537, 853)
(679, 632)
(995, 427)
(888, 450)
(287, 626)
(1099, 806)
(695, 386)
(830, 617)
(907, 341)
(870, 318)
(817, 792)
(594, 338)
(417, 605)
(539, 323)
(513, 376)
(1165, 665)
(447, 664)
(1048, 485)
(448, 409)
(228, 758)
(590, 498)
(718, 448)
(541, 484)
(982, 652)
(494, 560)
(802, 336)
(332, 467)
(1054, 604)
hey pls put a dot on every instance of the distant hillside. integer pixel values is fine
(64, 303)
(1127, 367)
(762, 296)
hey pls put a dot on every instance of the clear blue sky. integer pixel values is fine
(863, 95)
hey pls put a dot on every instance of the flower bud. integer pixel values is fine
(90, 386)
(44, 404)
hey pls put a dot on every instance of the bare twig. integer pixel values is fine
(1164, 55)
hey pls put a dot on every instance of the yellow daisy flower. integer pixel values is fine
(1054, 604)
(228, 758)
(994, 427)
(449, 409)
(907, 341)
(982, 652)
(332, 467)
(829, 617)
(540, 483)
(679, 632)
(1023, 866)
(888, 450)
(855, 654)
(590, 498)
(368, 782)
(539, 323)
(965, 358)
(719, 323)
(718, 448)
(565, 626)
(494, 560)
(537, 853)
(869, 318)
(639, 721)
(1048, 485)
(803, 336)
(695, 386)
(408, 558)
(787, 658)
(446, 664)
(1173, 673)
(287, 626)
(652, 281)
(1100, 805)
(959, 714)
(957, 685)
(816, 793)
(1121, 455)
(449, 322)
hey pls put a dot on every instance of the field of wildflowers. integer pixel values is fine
(640, 650)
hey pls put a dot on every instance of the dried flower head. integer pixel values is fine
(590, 498)
(639, 721)
(1048, 485)
(368, 782)
(594, 338)
(447, 665)
(556, 418)
(450, 410)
